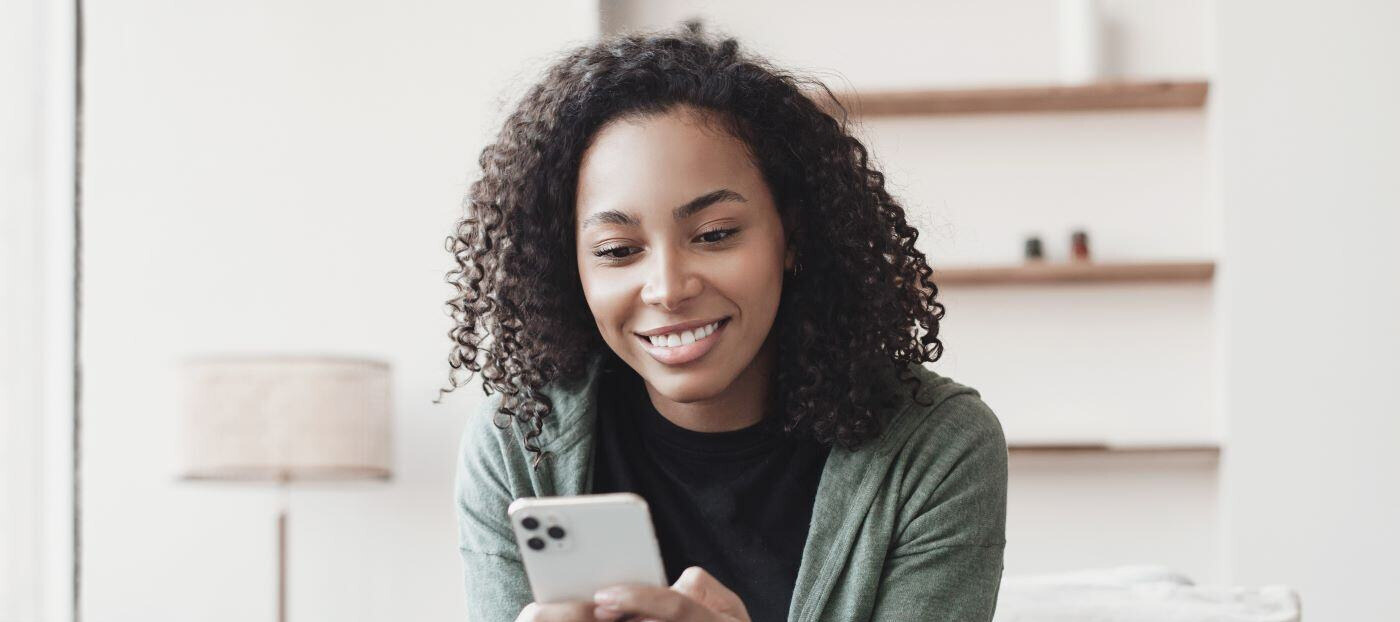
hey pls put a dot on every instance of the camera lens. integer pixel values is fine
(556, 532)
(529, 522)
(535, 543)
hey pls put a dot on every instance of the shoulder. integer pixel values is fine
(494, 438)
(486, 454)
(949, 463)
(483, 440)
(945, 441)
(942, 416)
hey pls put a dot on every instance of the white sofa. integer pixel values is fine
(1142, 593)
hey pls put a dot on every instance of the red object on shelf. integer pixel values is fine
(1079, 242)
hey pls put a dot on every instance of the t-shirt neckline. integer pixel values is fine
(653, 426)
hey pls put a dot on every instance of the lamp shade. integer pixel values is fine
(284, 418)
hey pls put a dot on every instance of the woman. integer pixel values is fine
(680, 277)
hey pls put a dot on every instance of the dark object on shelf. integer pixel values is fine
(1079, 242)
(1034, 250)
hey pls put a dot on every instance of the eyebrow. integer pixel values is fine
(682, 212)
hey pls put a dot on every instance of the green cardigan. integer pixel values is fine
(910, 526)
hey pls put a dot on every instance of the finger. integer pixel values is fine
(704, 588)
(578, 611)
(695, 583)
(653, 602)
(605, 614)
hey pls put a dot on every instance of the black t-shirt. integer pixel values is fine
(737, 504)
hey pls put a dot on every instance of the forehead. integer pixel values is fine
(658, 161)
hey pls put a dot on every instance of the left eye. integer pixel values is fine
(722, 233)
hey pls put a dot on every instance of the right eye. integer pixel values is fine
(609, 252)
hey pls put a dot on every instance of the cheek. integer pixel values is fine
(607, 297)
(752, 278)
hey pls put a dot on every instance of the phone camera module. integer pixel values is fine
(536, 544)
(530, 522)
(556, 532)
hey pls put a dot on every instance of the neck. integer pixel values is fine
(739, 406)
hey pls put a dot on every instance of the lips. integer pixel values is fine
(676, 328)
(680, 355)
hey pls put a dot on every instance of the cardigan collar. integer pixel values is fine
(575, 403)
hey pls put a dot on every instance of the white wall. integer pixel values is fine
(20, 276)
(1059, 363)
(1310, 143)
(280, 176)
(36, 310)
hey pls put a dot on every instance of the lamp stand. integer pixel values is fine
(283, 508)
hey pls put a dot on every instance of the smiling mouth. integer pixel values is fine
(687, 348)
(684, 337)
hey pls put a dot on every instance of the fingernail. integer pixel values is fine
(606, 613)
(605, 597)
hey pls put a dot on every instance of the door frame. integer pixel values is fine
(39, 327)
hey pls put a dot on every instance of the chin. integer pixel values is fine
(687, 385)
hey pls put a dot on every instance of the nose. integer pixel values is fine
(670, 282)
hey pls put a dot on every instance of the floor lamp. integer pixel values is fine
(283, 419)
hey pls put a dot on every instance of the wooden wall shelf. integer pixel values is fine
(1202, 449)
(1075, 272)
(1048, 98)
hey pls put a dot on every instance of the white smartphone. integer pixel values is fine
(576, 545)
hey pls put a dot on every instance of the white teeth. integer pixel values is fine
(684, 337)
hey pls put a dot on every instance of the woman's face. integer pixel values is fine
(676, 226)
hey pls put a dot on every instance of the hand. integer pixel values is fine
(580, 611)
(695, 597)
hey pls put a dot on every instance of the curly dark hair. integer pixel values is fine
(862, 301)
